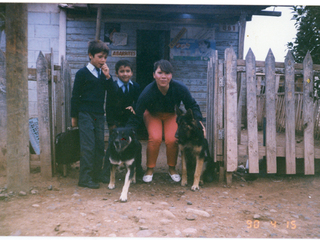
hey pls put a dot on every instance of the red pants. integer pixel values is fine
(156, 125)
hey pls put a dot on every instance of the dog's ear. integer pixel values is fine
(178, 110)
(189, 113)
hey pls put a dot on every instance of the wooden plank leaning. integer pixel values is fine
(252, 123)
(308, 115)
(231, 140)
(290, 114)
(44, 116)
(271, 134)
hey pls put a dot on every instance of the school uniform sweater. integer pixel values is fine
(154, 101)
(88, 94)
(117, 101)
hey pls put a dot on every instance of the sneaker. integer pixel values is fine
(147, 178)
(175, 177)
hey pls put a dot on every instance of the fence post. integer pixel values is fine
(18, 154)
(231, 138)
(44, 116)
(252, 125)
(308, 115)
(3, 111)
(271, 134)
(290, 115)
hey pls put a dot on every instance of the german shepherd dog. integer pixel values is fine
(124, 151)
(195, 156)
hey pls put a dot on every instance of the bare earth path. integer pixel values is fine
(272, 207)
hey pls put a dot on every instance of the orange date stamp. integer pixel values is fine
(255, 224)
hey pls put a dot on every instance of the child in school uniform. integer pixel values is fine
(120, 104)
(87, 112)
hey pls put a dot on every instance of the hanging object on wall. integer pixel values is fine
(110, 30)
(193, 49)
(177, 38)
(120, 39)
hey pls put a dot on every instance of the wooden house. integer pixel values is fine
(186, 35)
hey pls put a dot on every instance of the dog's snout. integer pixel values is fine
(117, 143)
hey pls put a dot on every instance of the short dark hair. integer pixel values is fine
(124, 63)
(97, 46)
(164, 65)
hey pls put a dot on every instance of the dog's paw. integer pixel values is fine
(195, 187)
(123, 199)
(111, 186)
(184, 183)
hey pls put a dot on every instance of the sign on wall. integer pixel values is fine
(193, 49)
(123, 53)
(228, 28)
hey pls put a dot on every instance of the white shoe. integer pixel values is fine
(175, 177)
(147, 178)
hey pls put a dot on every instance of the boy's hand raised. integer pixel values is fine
(105, 70)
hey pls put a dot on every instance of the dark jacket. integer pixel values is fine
(117, 102)
(154, 101)
(88, 94)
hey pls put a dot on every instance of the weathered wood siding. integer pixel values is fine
(192, 73)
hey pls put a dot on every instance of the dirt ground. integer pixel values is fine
(277, 206)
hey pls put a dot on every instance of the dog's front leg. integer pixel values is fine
(125, 189)
(184, 179)
(112, 183)
(197, 174)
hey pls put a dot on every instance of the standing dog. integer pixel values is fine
(124, 151)
(195, 154)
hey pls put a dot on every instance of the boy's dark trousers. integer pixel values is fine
(91, 127)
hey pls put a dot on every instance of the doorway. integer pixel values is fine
(151, 46)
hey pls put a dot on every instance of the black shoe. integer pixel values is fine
(89, 184)
(105, 179)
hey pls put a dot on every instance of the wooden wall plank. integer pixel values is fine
(220, 82)
(210, 106)
(290, 114)
(231, 140)
(308, 115)
(44, 116)
(252, 123)
(271, 140)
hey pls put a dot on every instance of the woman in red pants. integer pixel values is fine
(156, 107)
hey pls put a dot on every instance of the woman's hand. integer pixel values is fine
(131, 109)
(203, 129)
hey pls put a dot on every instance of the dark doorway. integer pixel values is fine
(151, 47)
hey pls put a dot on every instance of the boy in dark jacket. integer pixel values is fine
(120, 104)
(87, 112)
